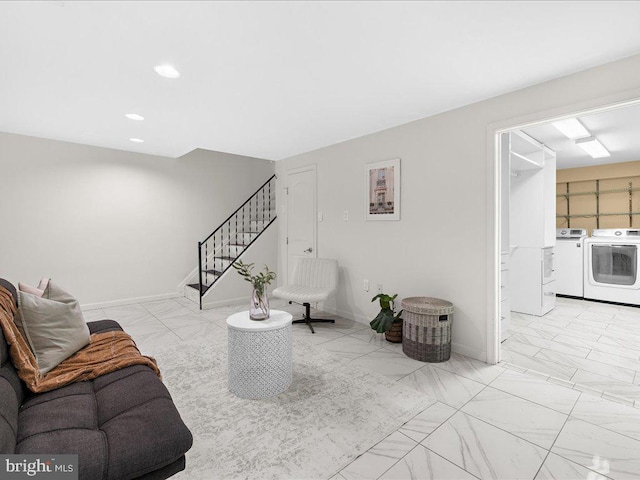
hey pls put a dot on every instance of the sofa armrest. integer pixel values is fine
(103, 326)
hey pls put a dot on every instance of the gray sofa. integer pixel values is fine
(122, 425)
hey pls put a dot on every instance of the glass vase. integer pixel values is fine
(259, 305)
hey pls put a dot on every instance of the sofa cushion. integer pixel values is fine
(11, 394)
(121, 425)
(8, 416)
(11, 391)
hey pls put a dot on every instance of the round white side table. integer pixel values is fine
(260, 354)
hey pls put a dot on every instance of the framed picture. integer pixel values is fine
(382, 190)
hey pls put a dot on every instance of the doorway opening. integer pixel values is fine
(548, 182)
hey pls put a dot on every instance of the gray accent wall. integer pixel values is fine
(444, 245)
(110, 225)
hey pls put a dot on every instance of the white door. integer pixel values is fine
(301, 216)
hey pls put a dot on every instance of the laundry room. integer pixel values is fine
(570, 250)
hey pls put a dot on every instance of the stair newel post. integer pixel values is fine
(200, 274)
(263, 208)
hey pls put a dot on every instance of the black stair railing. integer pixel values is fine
(225, 244)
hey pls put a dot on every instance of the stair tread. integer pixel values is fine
(213, 272)
(195, 286)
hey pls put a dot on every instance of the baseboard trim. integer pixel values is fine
(129, 301)
(344, 314)
(225, 303)
(455, 347)
(468, 352)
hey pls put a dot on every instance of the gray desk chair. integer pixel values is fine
(314, 280)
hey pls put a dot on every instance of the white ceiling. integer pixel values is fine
(275, 79)
(617, 129)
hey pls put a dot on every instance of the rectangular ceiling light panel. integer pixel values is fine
(593, 147)
(571, 128)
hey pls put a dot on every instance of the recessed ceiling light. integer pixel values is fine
(134, 116)
(593, 147)
(571, 128)
(167, 71)
(136, 140)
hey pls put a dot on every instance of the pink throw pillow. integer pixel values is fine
(38, 291)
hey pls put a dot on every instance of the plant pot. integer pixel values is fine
(259, 305)
(394, 334)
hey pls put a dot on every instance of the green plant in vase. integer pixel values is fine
(259, 305)
(387, 321)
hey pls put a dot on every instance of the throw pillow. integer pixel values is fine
(39, 291)
(53, 325)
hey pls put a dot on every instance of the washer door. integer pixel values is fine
(614, 265)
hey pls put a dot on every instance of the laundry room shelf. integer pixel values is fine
(590, 215)
(521, 162)
(619, 196)
(595, 192)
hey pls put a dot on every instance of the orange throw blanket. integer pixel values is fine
(106, 352)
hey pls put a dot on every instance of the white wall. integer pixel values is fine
(110, 225)
(445, 242)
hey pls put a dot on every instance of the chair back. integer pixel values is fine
(316, 273)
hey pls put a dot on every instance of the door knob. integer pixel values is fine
(308, 250)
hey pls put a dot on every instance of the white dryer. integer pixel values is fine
(569, 261)
(611, 265)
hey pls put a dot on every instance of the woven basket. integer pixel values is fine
(394, 334)
(427, 328)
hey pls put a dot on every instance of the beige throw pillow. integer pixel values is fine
(53, 325)
(39, 291)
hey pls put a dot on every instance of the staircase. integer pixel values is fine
(227, 243)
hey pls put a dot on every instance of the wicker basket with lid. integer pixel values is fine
(427, 328)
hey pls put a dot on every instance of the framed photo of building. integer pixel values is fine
(382, 190)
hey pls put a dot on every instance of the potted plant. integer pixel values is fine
(259, 305)
(387, 321)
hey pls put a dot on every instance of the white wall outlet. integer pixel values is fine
(379, 287)
(345, 215)
(365, 285)
(320, 217)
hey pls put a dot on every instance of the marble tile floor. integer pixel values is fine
(490, 421)
(589, 346)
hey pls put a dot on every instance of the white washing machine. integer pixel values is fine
(569, 261)
(611, 264)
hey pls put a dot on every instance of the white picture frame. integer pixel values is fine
(382, 190)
